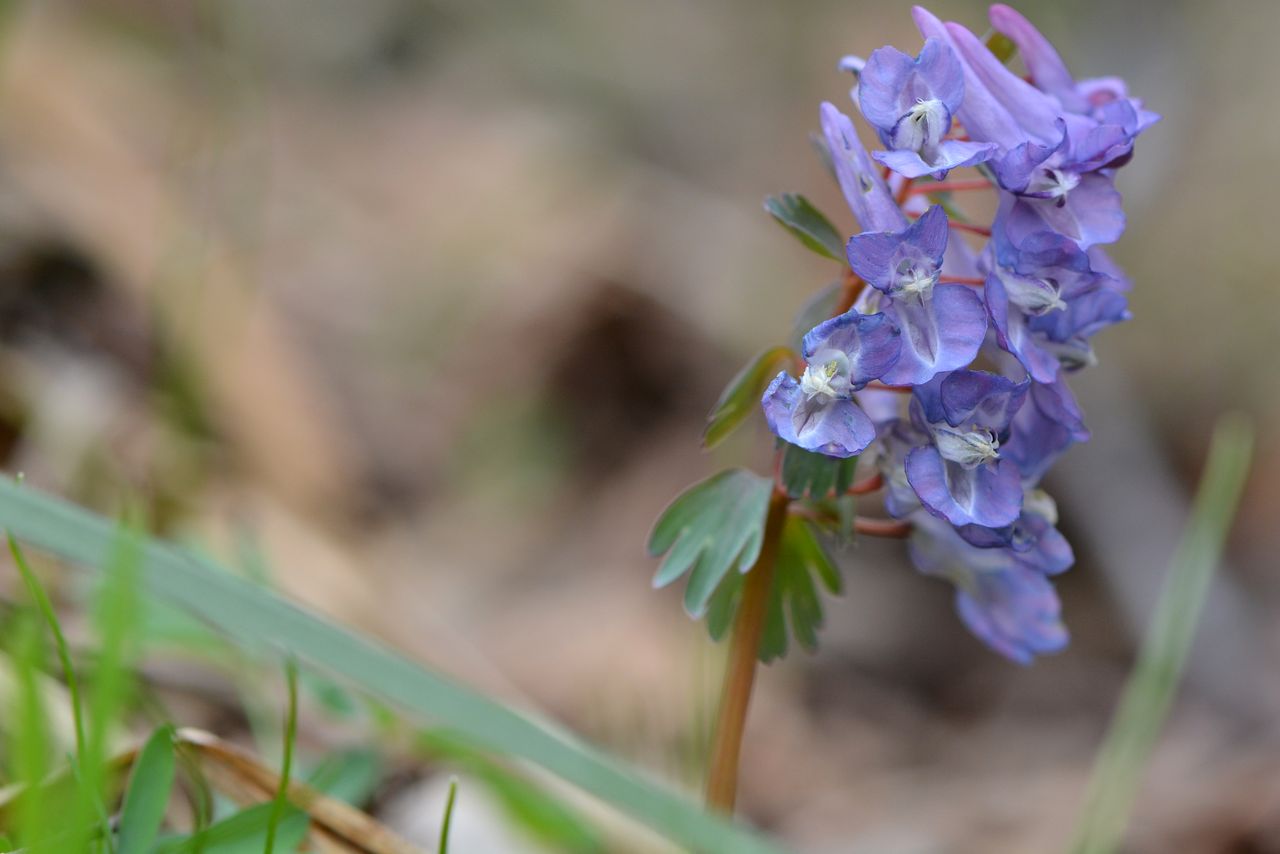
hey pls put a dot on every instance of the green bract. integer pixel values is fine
(741, 397)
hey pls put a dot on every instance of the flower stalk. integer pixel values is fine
(740, 670)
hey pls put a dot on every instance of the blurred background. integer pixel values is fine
(423, 304)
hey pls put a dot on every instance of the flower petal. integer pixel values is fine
(987, 495)
(871, 342)
(832, 426)
(940, 333)
(865, 191)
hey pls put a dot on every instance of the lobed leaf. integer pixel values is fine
(798, 215)
(741, 397)
(713, 527)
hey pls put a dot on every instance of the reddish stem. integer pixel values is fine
(950, 186)
(871, 484)
(974, 281)
(962, 226)
(879, 386)
(904, 191)
(890, 528)
(740, 670)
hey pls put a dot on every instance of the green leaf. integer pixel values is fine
(809, 475)
(350, 775)
(798, 215)
(1000, 45)
(1151, 687)
(148, 796)
(448, 816)
(794, 601)
(713, 527)
(741, 396)
(242, 833)
(820, 307)
(254, 618)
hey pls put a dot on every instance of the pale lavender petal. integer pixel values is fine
(1046, 67)
(832, 426)
(882, 86)
(985, 118)
(988, 495)
(940, 333)
(865, 191)
(1036, 112)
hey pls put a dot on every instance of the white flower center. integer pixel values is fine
(921, 127)
(1055, 183)
(824, 378)
(1033, 296)
(916, 280)
(968, 448)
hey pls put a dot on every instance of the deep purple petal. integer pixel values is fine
(873, 255)
(871, 342)
(865, 191)
(1012, 333)
(981, 398)
(1048, 424)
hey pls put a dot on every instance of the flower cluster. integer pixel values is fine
(952, 360)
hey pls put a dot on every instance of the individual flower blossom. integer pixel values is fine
(943, 324)
(1046, 300)
(817, 412)
(1049, 422)
(1106, 98)
(1060, 188)
(911, 102)
(960, 475)
(1009, 604)
(865, 191)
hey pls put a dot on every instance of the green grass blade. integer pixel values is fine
(1151, 687)
(29, 740)
(147, 798)
(256, 617)
(443, 848)
(41, 599)
(286, 768)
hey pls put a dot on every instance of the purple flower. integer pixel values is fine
(1047, 424)
(865, 191)
(1009, 605)
(943, 325)
(817, 411)
(1049, 74)
(961, 476)
(1045, 300)
(910, 102)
